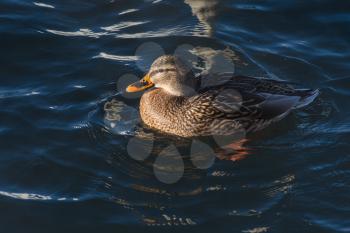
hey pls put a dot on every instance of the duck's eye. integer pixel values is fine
(144, 82)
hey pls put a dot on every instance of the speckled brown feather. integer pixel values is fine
(240, 103)
(205, 113)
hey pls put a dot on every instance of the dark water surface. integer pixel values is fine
(64, 130)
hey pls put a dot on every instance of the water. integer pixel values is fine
(65, 129)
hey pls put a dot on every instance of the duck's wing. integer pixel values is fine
(253, 102)
(231, 110)
(260, 86)
(246, 83)
(276, 90)
(222, 111)
(224, 105)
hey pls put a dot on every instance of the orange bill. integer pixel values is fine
(141, 85)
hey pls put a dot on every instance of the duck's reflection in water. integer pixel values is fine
(170, 177)
(205, 11)
(162, 180)
(234, 151)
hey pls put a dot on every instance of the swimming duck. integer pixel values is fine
(186, 105)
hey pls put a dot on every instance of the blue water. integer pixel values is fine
(65, 128)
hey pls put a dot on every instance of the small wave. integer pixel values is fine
(257, 230)
(169, 220)
(18, 93)
(82, 32)
(117, 57)
(35, 197)
(252, 7)
(43, 5)
(122, 25)
(128, 11)
(79, 86)
(164, 32)
(113, 29)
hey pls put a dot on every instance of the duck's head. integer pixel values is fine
(170, 74)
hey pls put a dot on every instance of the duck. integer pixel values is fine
(178, 102)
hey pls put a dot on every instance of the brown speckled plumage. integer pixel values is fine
(182, 105)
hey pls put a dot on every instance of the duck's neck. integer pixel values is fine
(181, 90)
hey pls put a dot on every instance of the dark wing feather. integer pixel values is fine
(254, 102)
(255, 85)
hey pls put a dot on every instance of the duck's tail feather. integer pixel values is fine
(307, 97)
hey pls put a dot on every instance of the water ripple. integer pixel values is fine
(36, 197)
(82, 32)
(117, 57)
(40, 4)
(117, 27)
(128, 11)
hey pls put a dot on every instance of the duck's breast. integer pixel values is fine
(160, 111)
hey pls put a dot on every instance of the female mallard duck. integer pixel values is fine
(188, 106)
